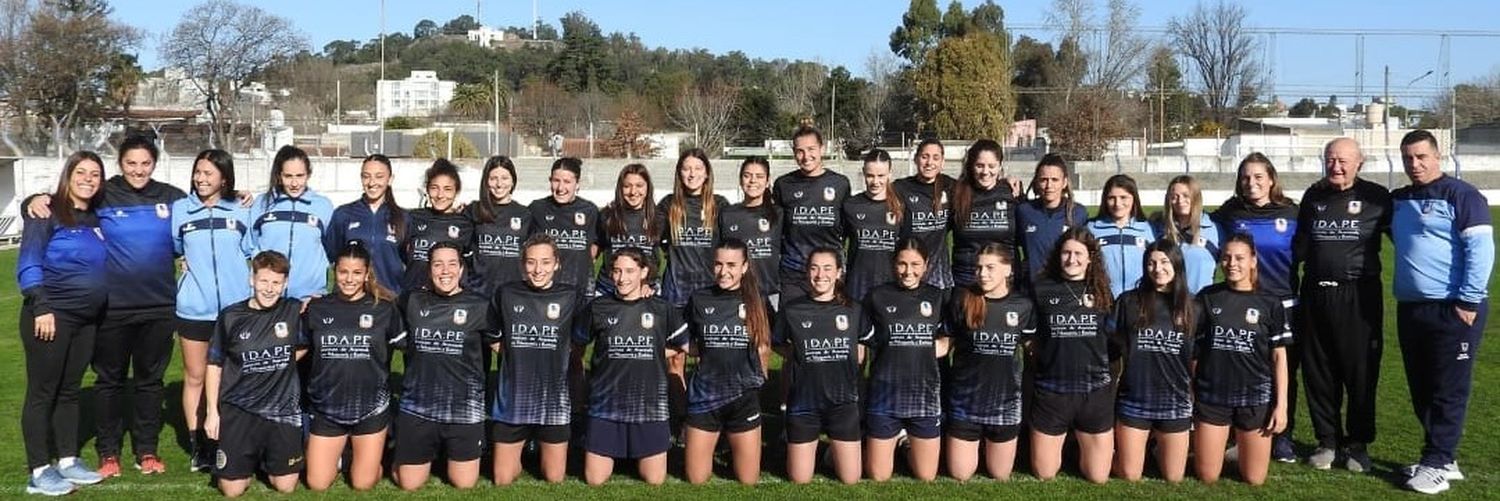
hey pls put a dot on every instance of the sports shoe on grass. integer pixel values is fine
(109, 466)
(1428, 480)
(1450, 471)
(1357, 460)
(150, 465)
(76, 472)
(1322, 459)
(1282, 451)
(49, 483)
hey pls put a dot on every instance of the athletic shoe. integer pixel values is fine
(1428, 480)
(1282, 451)
(80, 474)
(1232, 454)
(50, 483)
(198, 460)
(1450, 471)
(109, 466)
(1322, 459)
(150, 465)
(1357, 460)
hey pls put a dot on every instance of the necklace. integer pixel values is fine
(1080, 299)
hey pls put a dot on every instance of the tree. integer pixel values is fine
(582, 64)
(1171, 104)
(1035, 75)
(629, 139)
(964, 87)
(955, 21)
(1215, 38)
(220, 44)
(708, 112)
(121, 81)
(1478, 102)
(542, 108)
(341, 51)
(425, 28)
(460, 25)
(845, 95)
(919, 32)
(987, 17)
(757, 115)
(474, 101)
(1303, 108)
(436, 143)
(796, 89)
(1085, 128)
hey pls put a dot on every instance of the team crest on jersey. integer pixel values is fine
(829, 193)
(763, 224)
(1140, 243)
(890, 309)
(1088, 300)
(926, 308)
(162, 212)
(1281, 225)
(579, 218)
(244, 335)
(841, 321)
(554, 310)
(452, 231)
(1012, 319)
(460, 316)
(312, 220)
(890, 218)
(353, 224)
(1252, 315)
(366, 321)
(230, 223)
(1355, 206)
(797, 194)
(648, 320)
(281, 331)
(515, 224)
(1000, 205)
(742, 311)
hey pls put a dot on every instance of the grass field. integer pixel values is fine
(1398, 443)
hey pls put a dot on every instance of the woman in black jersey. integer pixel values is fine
(984, 208)
(254, 393)
(729, 331)
(532, 400)
(350, 336)
(572, 222)
(1241, 374)
(757, 221)
(926, 197)
(818, 335)
(500, 225)
(440, 221)
(872, 223)
(689, 222)
(1153, 329)
(990, 327)
(1074, 390)
(632, 334)
(905, 385)
(630, 220)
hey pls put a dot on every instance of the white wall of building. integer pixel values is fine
(419, 95)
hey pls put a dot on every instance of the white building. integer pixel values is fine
(487, 37)
(419, 95)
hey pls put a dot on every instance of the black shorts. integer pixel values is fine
(248, 442)
(195, 330)
(418, 440)
(614, 439)
(1247, 418)
(970, 431)
(840, 423)
(507, 433)
(1157, 425)
(324, 427)
(1057, 413)
(739, 415)
(884, 427)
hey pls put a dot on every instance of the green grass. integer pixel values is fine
(1398, 443)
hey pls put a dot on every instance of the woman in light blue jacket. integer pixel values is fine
(1183, 222)
(212, 234)
(290, 218)
(1123, 232)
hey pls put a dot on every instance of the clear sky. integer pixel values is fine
(846, 32)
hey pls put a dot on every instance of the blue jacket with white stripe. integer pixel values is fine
(215, 241)
(1123, 249)
(1445, 247)
(294, 227)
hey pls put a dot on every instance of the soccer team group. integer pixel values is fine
(944, 319)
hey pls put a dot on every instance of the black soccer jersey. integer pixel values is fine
(872, 230)
(760, 228)
(257, 351)
(1338, 232)
(904, 378)
(1072, 354)
(425, 229)
(1155, 384)
(991, 219)
(985, 379)
(634, 237)
(497, 244)
(929, 223)
(350, 346)
(811, 207)
(1239, 332)
(690, 258)
(536, 328)
(628, 372)
(823, 370)
(728, 362)
(446, 339)
(575, 227)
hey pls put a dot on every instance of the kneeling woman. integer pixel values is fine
(1074, 390)
(990, 327)
(350, 335)
(729, 332)
(442, 397)
(633, 334)
(254, 393)
(904, 381)
(1242, 368)
(1153, 330)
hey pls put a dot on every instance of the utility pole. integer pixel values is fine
(382, 76)
(1385, 122)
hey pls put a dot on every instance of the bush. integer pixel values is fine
(434, 144)
(402, 123)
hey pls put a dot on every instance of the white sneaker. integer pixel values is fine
(1322, 459)
(1428, 480)
(1450, 471)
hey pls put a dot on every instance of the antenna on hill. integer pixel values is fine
(536, 21)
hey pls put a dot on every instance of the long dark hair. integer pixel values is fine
(975, 307)
(968, 182)
(892, 199)
(484, 212)
(224, 163)
(395, 215)
(1247, 241)
(757, 322)
(839, 297)
(1126, 183)
(1180, 297)
(938, 184)
(356, 250)
(1055, 160)
(441, 167)
(677, 210)
(62, 197)
(614, 213)
(1255, 157)
(767, 207)
(285, 154)
(1096, 279)
(635, 255)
